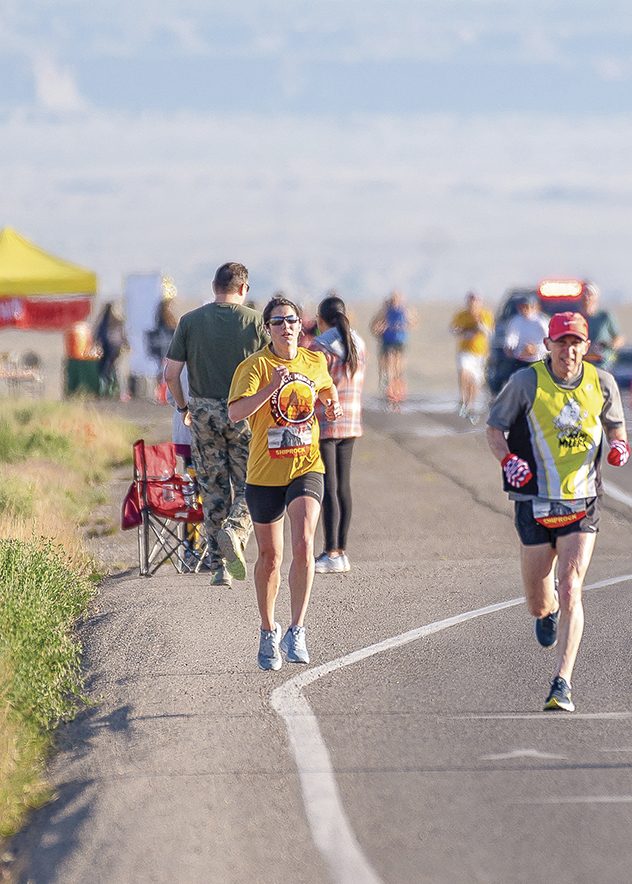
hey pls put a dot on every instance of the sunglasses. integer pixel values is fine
(279, 320)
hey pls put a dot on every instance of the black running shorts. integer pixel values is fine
(267, 503)
(532, 533)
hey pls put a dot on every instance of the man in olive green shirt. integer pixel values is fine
(211, 341)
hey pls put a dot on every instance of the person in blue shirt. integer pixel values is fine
(391, 326)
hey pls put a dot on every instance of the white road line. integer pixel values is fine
(522, 753)
(328, 821)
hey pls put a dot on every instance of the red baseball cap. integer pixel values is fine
(568, 324)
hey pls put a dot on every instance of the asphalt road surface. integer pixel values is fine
(412, 748)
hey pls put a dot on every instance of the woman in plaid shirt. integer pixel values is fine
(345, 352)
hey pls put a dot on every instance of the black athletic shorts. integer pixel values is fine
(532, 533)
(267, 503)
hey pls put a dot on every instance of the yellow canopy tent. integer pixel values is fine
(38, 290)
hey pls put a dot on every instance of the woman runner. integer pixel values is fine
(276, 389)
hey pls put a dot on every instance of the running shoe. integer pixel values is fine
(546, 629)
(220, 576)
(326, 564)
(559, 696)
(293, 645)
(269, 656)
(232, 551)
(345, 562)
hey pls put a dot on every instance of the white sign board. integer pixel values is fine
(143, 294)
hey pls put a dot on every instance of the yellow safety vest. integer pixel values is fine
(566, 434)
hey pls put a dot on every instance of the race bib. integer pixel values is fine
(557, 513)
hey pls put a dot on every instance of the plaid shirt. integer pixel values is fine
(349, 389)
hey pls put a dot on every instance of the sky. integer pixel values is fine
(364, 145)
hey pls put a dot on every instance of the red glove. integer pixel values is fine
(516, 470)
(619, 453)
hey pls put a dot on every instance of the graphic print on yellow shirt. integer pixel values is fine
(292, 407)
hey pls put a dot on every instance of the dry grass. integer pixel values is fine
(51, 483)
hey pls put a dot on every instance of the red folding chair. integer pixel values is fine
(161, 504)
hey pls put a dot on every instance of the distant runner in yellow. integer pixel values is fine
(473, 328)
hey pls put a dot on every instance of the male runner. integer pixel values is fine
(546, 428)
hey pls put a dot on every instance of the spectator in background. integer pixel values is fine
(111, 339)
(473, 328)
(212, 341)
(524, 337)
(345, 352)
(158, 341)
(181, 438)
(603, 329)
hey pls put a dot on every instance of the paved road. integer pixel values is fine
(412, 749)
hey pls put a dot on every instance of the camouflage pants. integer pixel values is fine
(220, 453)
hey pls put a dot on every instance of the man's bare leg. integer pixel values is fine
(573, 555)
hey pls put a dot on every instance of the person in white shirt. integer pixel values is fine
(524, 337)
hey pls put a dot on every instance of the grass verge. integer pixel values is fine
(57, 460)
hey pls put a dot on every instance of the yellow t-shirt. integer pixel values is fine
(285, 435)
(477, 343)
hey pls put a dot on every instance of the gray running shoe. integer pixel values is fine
(269, 656)
(559, 696)
(220, 576)
(232, 551)
(293, 645)
(546, 629)
(326, 564)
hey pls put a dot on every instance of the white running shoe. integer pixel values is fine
(293, 645)
(326, 564)
(269, 656)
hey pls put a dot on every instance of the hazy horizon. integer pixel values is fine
(431, 146)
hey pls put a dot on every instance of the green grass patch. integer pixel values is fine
(41, 600)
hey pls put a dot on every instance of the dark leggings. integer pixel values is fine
(336, 455)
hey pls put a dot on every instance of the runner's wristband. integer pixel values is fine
(516, 470)
(182, 410)
(619, 453)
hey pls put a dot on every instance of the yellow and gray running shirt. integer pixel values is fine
(557, 427)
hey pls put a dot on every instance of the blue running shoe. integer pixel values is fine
(269, 656)
(293, 645)
(546, 629)
(559, 696)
